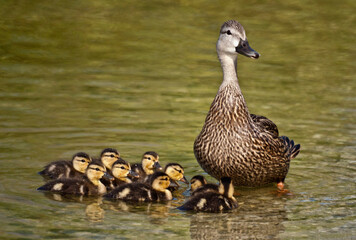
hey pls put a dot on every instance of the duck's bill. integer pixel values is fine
(157, 166)
(108, 177)
(244, 49)
(133, 174)
(183, 179)
(173, 184)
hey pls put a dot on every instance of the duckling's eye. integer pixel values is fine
(97, 169)
(82, 160)
(228, 32)
(122, 167)
(149, 158)
(112, 155)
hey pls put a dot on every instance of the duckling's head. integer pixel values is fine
(225, 187)
(81, 161)
(150, 162)
(233, 40)
(108, 156)
(159, 181)
(95, 171)
(175, 172)
(122, 170)
(196, 182)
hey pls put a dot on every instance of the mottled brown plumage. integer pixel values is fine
(233, 142)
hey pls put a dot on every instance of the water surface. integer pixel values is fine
(86, 75)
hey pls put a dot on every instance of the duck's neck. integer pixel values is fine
(229, 98)
(228, 65)
(100, 185)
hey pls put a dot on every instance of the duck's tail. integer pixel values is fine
(291, 149)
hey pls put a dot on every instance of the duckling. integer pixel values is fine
(176, 172)
(233, 142)
(149, 164)
(89, 185)
(68, 169)
(213, 201)
(198, 184)
(154, 191)
(108, 156)
(121, 171)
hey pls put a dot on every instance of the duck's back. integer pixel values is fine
(60, 169)
(209, 187)
(70, 186)
(136, 192)
(209, 202)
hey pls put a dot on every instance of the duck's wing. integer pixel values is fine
(265, 124)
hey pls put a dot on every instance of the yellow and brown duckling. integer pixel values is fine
(108, 156)
(149, 164)
(67, 169)
(154, 191)
(89, 185)
(213, 201)
(121, 171)
(198, 184)
(176, 172)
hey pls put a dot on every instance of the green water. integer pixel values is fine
(139, 76)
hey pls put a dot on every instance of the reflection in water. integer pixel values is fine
(157, 212)
(254, 219)
(93, 210)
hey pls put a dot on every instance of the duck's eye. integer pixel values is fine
(122, 167)
(112, 155)
(228, 32)
(82, 160)
(97, 169)
(149, 158)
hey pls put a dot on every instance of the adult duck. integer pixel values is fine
(233, 142)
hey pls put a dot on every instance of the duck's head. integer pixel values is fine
(225, 187)
(122, 170)
(196, 182)
(233, 40)
(175, 172)
(108, 156)
(95, 171)
(150, 162)
(160, 181)
(81, 161)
